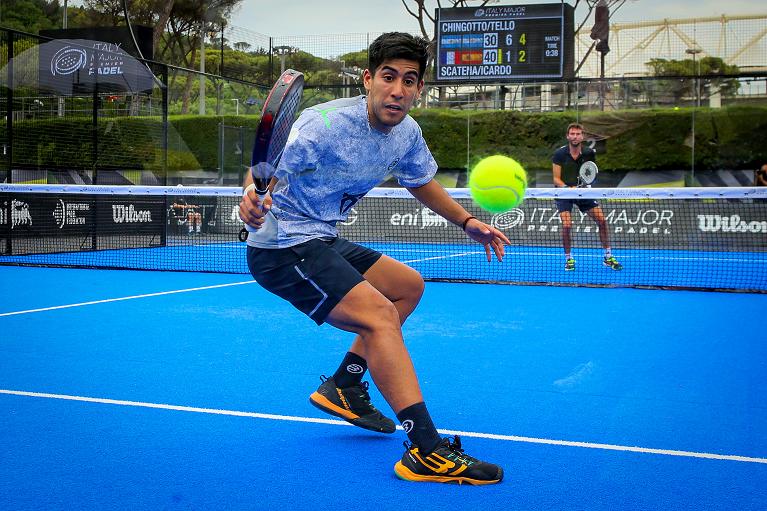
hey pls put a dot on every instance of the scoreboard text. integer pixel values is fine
(502, 43)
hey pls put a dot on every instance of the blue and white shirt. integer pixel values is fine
(333, 157)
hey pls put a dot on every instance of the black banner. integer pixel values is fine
(633, 224)
(47, 217)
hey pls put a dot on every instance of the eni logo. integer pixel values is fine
(68, 60)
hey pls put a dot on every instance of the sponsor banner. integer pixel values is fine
(651, 224)
(51, 216)
(76, 65)
(117, 36)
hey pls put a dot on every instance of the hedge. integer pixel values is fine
(726, 138)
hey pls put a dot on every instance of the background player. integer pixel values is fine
(566, 163)
(192, 215)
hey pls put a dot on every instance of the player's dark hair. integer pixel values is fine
(398, 45)
(574, 125)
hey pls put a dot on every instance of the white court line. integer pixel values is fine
(592, 256)
(107, 300)
(510, 438)
(441, 257)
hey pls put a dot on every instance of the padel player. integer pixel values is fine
(335, 154)
(191, 214)
(566, 163)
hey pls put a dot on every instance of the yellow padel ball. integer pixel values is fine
(498, 183)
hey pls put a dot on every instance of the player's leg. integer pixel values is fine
(315, 277)
(596, 214)
(197, 222)
(190, 222)
(375, 319)
(401, 285)
(564, 207)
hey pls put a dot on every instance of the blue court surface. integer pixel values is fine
(163, 391)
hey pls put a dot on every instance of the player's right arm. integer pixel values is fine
(556, 171)
(252, 208)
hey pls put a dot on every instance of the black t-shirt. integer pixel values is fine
(570, 166)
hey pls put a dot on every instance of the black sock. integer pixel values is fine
(351, 371)
(416, 422)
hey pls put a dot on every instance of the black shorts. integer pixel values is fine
(314, 276)
(583, 204)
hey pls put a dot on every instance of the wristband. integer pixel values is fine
(463, 226)
(248, 188)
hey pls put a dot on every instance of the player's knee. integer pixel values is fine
(414, 286)
(382, 315)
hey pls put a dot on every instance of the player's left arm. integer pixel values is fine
(436, 198)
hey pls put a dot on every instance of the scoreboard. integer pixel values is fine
(504, 43)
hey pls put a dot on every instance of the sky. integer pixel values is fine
(318, 17)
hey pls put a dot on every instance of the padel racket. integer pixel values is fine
(277, 118)
(587, 174)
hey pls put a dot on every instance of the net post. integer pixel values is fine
(221, 146)
(6, 215)
(165, 220)
(9, 142)
(95, 134)
(9, 109)
(164, 79)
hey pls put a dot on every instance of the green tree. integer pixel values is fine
(355, 59)
(709, 72)
(30, 15)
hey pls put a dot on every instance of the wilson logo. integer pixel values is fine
(122, 213)
(732, 223)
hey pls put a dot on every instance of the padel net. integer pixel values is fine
(686, 238)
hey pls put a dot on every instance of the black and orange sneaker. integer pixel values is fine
(446, 464)
(352, 404)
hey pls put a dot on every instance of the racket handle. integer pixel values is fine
(261, 194)
(262, 175)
